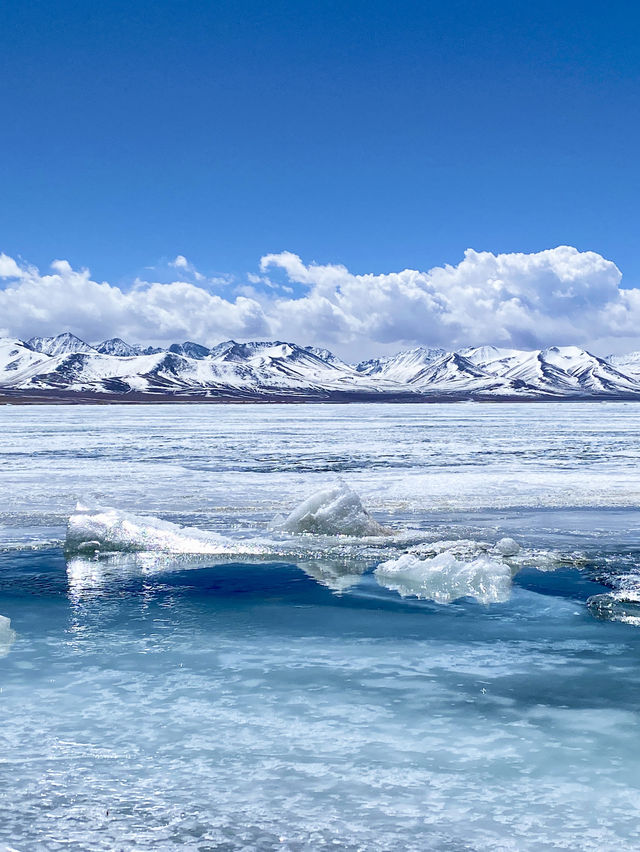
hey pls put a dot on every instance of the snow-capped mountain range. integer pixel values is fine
(65, 367)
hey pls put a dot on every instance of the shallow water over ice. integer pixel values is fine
(287, 696)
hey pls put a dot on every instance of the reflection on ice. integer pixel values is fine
(332, 511)
(336, 576)
(7, 636)
(90, 575)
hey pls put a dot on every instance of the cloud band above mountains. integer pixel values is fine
(520, 300)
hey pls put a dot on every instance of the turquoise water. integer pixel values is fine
(266, 703)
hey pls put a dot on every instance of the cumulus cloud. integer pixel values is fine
(558, 296)
(181, 262)
(8, 267)
(32, 303)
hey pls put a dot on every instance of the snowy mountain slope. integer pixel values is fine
(326, 355)
(83, 371)
(451, 368)
(238, 368)
(588, 371)
(492, 359)
(116, 346)
(282, 356)
(280, 370)
(18, 362)
(558, 370)
(191, 350)
(628, 364)
(454, 372)
(429, 370)
(402, 367)
(275, 364)
(62, 344)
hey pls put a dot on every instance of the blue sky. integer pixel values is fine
(375, 135)
(380, 135)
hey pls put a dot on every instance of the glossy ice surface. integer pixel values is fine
(294, 698)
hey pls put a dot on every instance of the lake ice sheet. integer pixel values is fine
(293, 696)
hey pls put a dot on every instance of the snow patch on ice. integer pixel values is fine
(337, 510)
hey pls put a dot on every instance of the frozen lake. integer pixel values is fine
(274, 689)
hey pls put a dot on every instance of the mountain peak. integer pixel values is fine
(190, 349)
(403, 366)
(116, 346)
(326, 355)
(62, 344)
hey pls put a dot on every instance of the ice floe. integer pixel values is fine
(507, 547)
(93, 532)
(336, 510)
(107, 545)
(7, 635)
(445, 570)
(445, 577)
(620, 605)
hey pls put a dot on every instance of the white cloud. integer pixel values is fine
(181, 262)
(69, 299)
(556, 296)
(8, 267)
